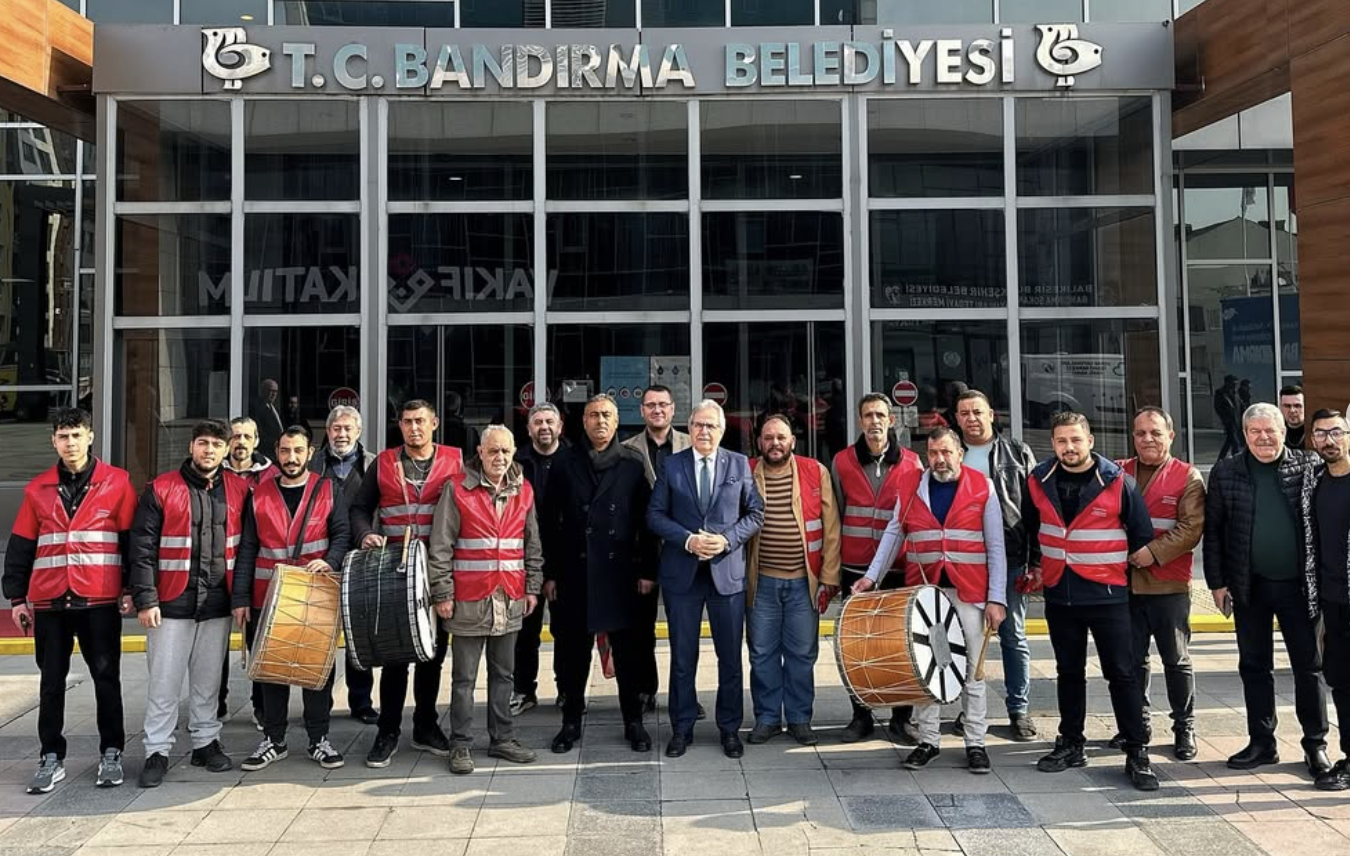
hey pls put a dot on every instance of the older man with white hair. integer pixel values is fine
(1254, 561)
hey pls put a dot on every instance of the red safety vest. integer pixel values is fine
(80, 555)
(490, 550)
(278, 532)
(956, 547)
(255, 477)
(400, 508)
(865, 513)
(808, 487)
(1095, 545)
(175, 538)
(1163, 497)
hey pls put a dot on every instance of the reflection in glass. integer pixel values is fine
(222, 12)
(1286, 227)
(917, 11)
(1039, 11)
(461, 263)
(618, 150)
(129, 11)
(172, 264)
(1227, 216)
(37, 282)
(773, 260)
(1082, 146)
(25, 433)
(173, 151)
(771, 150)
(793, 369)
(302, 149)
(462, 150)
(308, 364)
(584, 360)
(594, 13)
(772, 13)
(36, 151)
(474, 375)
(1132, 10)
(935, 147)
(301, 263)
(619, 261)
(502, 13)
(937, 356)
(683, 13)
(927, 259)
(1104, 369)
(366, 13)
(1087, 257)
(165, 382)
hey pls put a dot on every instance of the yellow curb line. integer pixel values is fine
(1035, 627)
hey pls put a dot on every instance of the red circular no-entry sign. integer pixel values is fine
(715, 392)
(527, 395)
(905, 393)
(344, 395)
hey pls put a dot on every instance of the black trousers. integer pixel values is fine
(644, 632)
(1269, 600)
(99, 630)
(526, 676)
(426, 687)
(572, 658)
(360, 685)
(318, 706)
(1336, 664)
(1109, 625)
(893, 580)
(1166, 620)
(255, 693)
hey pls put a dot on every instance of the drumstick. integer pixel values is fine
(984, 648)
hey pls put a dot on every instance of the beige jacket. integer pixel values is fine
(829, 512)
(679, 441)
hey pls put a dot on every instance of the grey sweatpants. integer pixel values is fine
(465, 654)
(179, 647)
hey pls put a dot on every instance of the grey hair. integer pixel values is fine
(494, 428)
(545, 407)
(1263, 410)
(709, 404)
(343, 410)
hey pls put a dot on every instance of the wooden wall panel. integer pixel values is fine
(1321, 96)
(1313, 23)
(46, 66)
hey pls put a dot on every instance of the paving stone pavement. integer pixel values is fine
(604, 800)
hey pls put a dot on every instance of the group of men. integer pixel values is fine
(591, 533)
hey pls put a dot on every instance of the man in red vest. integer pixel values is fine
(793, 566)
(486, 568)
(399, 494)
(183, 542)
(293, 518)
(1160, 575)
(64, 580)
(950, 525)
(867, 482)
(1088, 519)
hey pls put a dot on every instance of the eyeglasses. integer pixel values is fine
(704, 426)
(1337, 434)
(657, 405)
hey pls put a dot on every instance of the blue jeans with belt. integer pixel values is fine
(784, 631)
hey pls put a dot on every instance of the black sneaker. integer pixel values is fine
(434, 742)
(1062, 757)
(977, 761)
(1140, 771)
(1117, 741)
(902, 732)
(859, 728)
(152, 774)
(919, 758)
(264, 756)
(383, 751)
(323, 753)
(212, 756)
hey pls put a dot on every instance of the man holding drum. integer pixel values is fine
(294, 518)
(400, 494)
(950, 523)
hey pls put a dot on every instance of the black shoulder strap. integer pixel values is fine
(317, 484)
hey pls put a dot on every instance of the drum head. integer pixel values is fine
(937, 644)
(419, 607)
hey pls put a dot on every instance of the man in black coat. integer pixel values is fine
(596, 568)
(1254, 566)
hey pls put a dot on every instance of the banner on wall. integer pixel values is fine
(1249, 335)
(624, 378)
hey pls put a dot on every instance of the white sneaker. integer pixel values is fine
(109, 769)
(520, 702)
(50, 771)
(267, 753)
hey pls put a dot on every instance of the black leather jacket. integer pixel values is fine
(1010, 460)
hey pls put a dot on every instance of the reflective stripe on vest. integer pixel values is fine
(82, 554)
(807, 486)
(1162, 498)
(490, 551)
(400, 509)
(278, 530)
(956, 548)
(175, 542)
(1094, 545)
(866, 514)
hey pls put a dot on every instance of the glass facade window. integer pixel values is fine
(935, 356)
(365, 13)
(1072, 257)
(129, 11)
(471, 150)
(618, 150)
(461, 263)
(25, 433)
(308, 365)
(36, 152)
(296, 263)
(929, 259)
(795, 369)
(773, 260)
(1084, 146)
(1227, 217)
(1286, 230)
(1105, 369)
(1039, 11)
(37, 282)
(766, 149)
(501, 13)
(173, 151)
(619, 359)
(172, 264)
(908, 11)
(302, 150)
(618, 261)
(1132, 10)
(772, 13)
(683, 13)
(222, 11)
(166, 382)
(594, 13)
(474, 375)
(938, 147)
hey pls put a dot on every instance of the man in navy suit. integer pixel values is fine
(705, 508)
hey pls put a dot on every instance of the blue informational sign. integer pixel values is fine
(1249, 339)
(624, 378)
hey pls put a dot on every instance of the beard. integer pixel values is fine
(946, 475)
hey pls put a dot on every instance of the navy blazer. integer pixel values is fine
(735, 511)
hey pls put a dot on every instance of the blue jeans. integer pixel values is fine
(784, 631)
(1012, 638)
